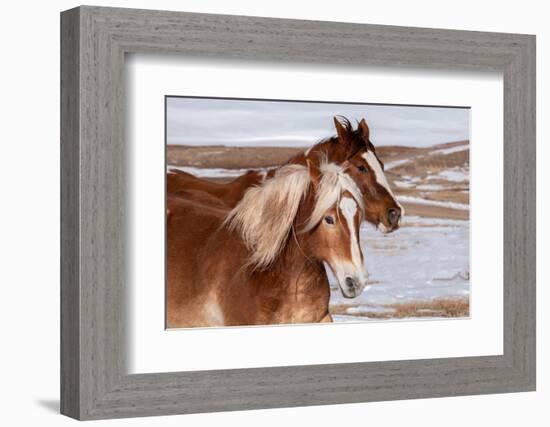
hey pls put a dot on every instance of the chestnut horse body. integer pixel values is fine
(262, 262)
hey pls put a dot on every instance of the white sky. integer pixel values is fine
(196, 121)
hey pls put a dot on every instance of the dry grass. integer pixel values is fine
(432, 164)
(439, 307)
(428, 211)
(447, 196)
(229, 157)
(445, 307)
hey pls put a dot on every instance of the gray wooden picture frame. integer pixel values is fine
(94, 41)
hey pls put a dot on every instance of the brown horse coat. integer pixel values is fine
(213, 299)
(210, 281)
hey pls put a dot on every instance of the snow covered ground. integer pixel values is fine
(444, 151)
(209, 172)
(439, 152)
(427, 258)
(453, 175)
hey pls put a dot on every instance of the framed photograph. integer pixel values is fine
(340, 182)
(262, 213)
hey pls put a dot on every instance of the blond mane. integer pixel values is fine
(334, 181)
(266, 213)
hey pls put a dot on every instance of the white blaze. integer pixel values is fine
(355, 267)
(348, 206)
(374, 164)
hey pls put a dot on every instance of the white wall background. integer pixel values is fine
(29, 212)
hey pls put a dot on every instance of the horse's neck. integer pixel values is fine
(297, 286)
(232, 192)
(293, 262)
(293, 259)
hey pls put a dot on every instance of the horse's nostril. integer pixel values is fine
(393, 216)
(350, 283)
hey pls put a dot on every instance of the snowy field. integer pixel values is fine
(209, 172)
(426, 259)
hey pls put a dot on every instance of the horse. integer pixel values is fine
(262, 261)
(349, 145)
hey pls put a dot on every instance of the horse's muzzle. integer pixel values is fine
(394, 215)
(352, 287)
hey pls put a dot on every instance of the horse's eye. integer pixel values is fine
(329, 220)
(362, 168)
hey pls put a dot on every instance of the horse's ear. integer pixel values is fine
(340, 130)
(314, 172)
(364, 128)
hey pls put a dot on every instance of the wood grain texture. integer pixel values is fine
(94, 382)
(70, 221)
